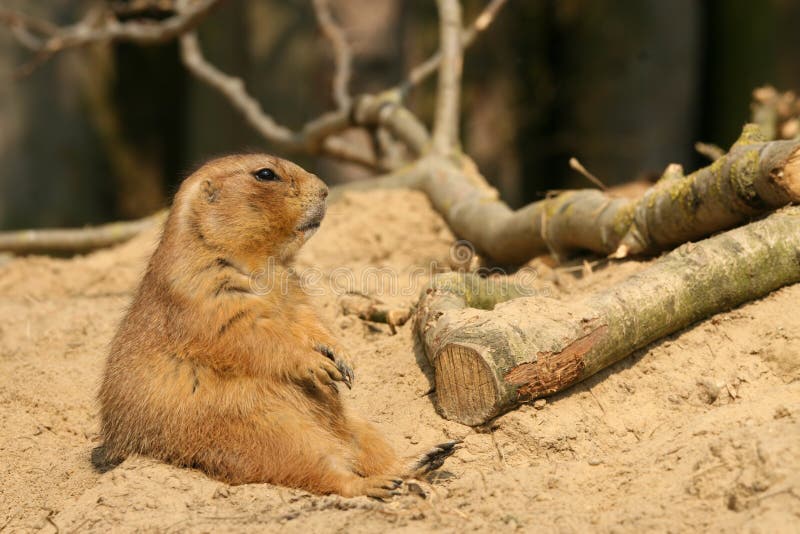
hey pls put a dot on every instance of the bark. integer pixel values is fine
(489, 355)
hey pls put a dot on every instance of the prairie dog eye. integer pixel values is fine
(266, 175)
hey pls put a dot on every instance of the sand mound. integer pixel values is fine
(699, 431)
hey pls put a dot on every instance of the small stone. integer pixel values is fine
(538, 404)
(734, 503)
(595, 461)
(709, 389)
(781, 412)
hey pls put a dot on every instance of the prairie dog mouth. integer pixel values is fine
(311, 222)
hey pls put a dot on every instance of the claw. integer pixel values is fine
(326, 351)
(393, 484)
(347, 373)
(341, 365)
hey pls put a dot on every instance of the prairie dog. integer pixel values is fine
(207, 372)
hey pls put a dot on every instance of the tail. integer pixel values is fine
(433, 459)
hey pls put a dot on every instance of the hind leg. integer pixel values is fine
(374, 455)
(292, 450)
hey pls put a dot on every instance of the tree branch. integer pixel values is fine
(445, 129)
(100, 26)
(341, 49)
(75, 240)
(753, 178)
(317, 136)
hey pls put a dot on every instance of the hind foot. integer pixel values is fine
(434, 458)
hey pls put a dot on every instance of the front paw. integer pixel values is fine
(325, 373)
(341, 364)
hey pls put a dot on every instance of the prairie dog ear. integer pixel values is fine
(210, 191)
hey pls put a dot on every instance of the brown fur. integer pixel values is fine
(208, 371)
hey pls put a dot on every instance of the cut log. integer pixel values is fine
(491, 352)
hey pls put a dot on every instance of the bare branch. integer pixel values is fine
(233, 90)
(27, 30)
(341, 49)
(316, 137)
(72, 240)
(99, 26)
(445, 129)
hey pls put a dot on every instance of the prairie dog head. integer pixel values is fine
(251, 207)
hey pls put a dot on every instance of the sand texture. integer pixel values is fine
(698, 432)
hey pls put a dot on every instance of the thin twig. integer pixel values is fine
(27, 30)
(445, 129)
(576, 165)
(422, 71)
(709, 150)
(341, 49)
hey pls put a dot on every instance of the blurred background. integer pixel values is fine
(106, 132)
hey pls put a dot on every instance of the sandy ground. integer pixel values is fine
(700, 431)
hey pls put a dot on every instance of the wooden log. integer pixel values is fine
(491, 352)
(753, 178)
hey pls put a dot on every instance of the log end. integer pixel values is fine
(466, 387)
